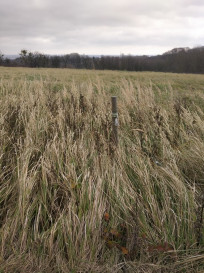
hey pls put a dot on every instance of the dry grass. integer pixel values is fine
(60, 172)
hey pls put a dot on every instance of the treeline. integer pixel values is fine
(191, 61)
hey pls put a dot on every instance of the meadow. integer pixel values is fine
(73, 201)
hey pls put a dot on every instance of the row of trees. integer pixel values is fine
(191, 61)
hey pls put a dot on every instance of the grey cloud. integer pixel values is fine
(64, 25)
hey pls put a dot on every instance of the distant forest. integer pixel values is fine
(191, 61)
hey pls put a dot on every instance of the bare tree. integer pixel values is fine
(1, 58)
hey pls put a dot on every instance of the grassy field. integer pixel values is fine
(71, 201)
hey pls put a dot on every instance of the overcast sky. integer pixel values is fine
(100, 27)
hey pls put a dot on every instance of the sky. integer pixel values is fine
(105, 27)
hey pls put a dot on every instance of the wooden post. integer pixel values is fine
(115, 119)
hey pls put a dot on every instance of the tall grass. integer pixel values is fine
(73, 202)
